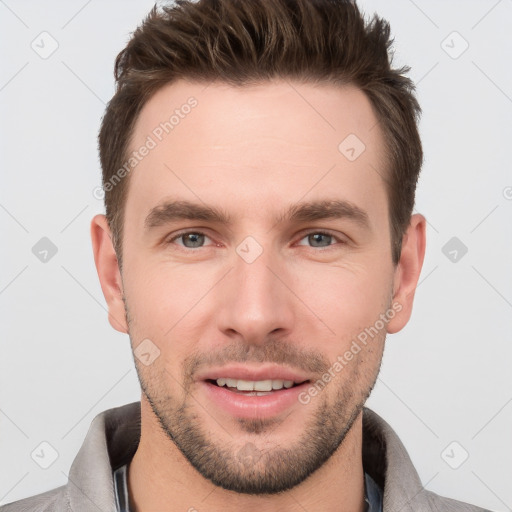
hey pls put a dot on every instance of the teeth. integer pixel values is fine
(263, 385)
(258, 385)
(230, 383)
(245, 385)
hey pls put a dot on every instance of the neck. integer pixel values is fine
(161, 479)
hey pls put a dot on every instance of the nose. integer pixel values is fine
(255, 300)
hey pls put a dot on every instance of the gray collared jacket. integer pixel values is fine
(114, 435)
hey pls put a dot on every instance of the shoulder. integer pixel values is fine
(450, 505)
(112, 439)
(387, 461)
(54, 500)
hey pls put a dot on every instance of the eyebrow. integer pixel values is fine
(170, 211)
(179, 210)
(326, 209)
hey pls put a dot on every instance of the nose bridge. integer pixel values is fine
(255, 302)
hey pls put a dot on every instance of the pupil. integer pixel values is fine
(316, 239)
(195, 239)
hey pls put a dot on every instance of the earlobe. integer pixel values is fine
(408, 271)
(109, 275)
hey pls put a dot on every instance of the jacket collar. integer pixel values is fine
(114, 434)
(388, 463)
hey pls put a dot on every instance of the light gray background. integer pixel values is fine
(446, 377)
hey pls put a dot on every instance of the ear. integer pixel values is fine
(408, 271)
(108, 271)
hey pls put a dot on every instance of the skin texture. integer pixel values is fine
(252, 152)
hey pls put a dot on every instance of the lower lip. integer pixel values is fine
(245, 406)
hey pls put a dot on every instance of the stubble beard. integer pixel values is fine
(247, 467)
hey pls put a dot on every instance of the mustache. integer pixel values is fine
(272, 351)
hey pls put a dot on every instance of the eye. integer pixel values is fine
(190, 239)
(320, 239)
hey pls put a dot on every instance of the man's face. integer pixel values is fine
(278, 293)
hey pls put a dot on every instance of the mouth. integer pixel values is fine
(245, 391)
(254, 387)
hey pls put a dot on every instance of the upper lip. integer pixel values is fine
(253, 373)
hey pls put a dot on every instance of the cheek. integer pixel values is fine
(349, 303)
(163, 299)
(347, 298)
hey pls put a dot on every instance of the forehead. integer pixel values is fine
(271, 106)
(278, 139)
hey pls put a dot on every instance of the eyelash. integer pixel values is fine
(312, 232)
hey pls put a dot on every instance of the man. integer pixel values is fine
(259, 164)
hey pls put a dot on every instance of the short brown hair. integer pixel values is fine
(243, 42)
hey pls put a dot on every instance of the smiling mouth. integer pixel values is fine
(255, 387)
